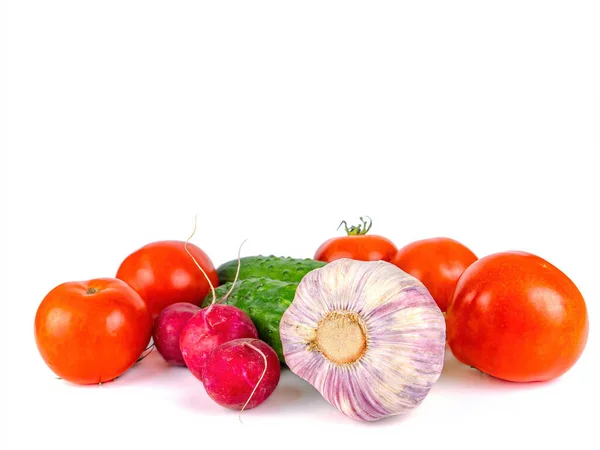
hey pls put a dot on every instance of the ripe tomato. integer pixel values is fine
(437, 263)
(92, 331)
(163, 273)
(515, 316)
(357, 245)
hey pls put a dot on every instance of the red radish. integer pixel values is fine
(212, 326)
(209, 328)
(241, 374)
(167, 329)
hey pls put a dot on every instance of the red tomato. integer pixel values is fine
(437, 263)
(357, 245)
(92, 331)
(515, 316)
(163, 273)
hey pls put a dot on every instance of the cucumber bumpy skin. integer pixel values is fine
(264, 300)
(274, 267)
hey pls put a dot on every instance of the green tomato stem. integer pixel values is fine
(357, 230)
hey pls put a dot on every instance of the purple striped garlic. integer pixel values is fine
(368, 336)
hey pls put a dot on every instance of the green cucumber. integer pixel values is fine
(264, 300)
(274, 267)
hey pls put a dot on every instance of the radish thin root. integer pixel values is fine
(212, 288)
(237, 273)
(145, 353)
(259, 380)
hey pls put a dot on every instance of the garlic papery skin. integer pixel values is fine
(368, 336)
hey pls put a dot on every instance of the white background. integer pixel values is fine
(274, 121)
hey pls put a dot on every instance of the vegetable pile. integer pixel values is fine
(363, 321)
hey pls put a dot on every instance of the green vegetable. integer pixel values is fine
(276, 268)
(264, 300)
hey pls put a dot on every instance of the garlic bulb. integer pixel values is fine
(368, 336)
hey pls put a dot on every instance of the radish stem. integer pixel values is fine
(212, 288)
(237, 273)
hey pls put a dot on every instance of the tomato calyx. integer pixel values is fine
(357, 230)
(91, 291)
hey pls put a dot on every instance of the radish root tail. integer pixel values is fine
(259, 380)
(212, 288)
(237, 273)
(145, 353)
